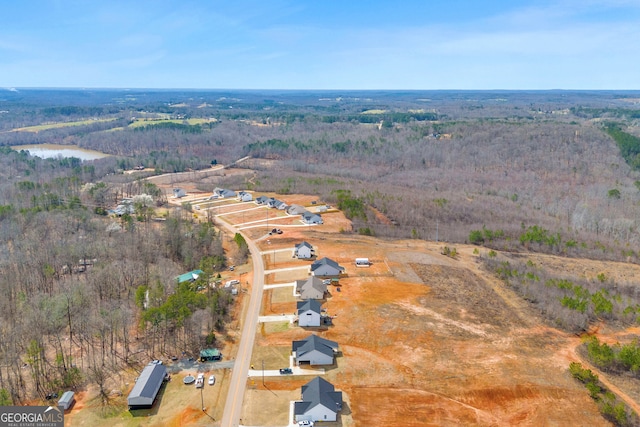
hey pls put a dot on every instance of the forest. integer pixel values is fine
(83, 293)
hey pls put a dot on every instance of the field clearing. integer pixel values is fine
(46, 126)
(429, 340)
(140, 122)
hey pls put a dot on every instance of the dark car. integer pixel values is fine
(286, 371)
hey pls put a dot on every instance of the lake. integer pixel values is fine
(53, 151)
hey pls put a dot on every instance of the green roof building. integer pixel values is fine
(210, 354)
(191, 276)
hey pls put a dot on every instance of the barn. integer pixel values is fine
(146, 389)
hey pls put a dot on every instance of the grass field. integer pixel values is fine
(47, 126)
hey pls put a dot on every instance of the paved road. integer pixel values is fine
(233, 405)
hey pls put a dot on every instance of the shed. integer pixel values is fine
(146, 389)
(210, 354)
(66, 400)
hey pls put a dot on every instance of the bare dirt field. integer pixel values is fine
(429, 340)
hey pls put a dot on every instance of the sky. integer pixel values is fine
(321, 44)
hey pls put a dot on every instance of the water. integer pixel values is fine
(53, 151)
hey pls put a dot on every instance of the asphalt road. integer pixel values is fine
(233, 405)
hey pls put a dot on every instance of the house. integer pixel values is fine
(262, 200)
(210, 354)
(179, 192)
(223, 193)
(309, 313)
(311, 218)
(191, 276)
(311, 288)
(314, 350)
(244, 196)
(303, 251)
(66, 400)
(296, 210)
(280, 205)
(147, 386)
(326, 267)
(320, 402)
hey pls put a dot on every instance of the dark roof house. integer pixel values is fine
(326, 267)
(320, 402)
(309, 313)
(314, 350)
(147, 386)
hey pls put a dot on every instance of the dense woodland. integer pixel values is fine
(83, 294)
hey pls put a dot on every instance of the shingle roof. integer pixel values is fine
(310, 304)
(318, 391)
(326, 261)
(314, 343)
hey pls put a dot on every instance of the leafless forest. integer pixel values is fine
(516, 171)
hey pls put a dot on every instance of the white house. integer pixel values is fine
(244, 196)
(314, 350)
(303, 251)
(178, 193)
(309, 313)
(320, 402)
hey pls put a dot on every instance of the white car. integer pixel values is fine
(212, 379)
(305, 423)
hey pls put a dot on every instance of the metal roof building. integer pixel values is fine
(147, 386)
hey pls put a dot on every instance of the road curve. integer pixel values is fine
(233, 405)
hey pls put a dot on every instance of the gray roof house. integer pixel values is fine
(320, 402)
(244, 196)
(311, 218)
(303, 250)
(262, 200)
(314, 350)
(146, 389)
(296, 210)
(326, 267)
(311, 288)
(179, 192)
(224, 193)
(309, 313)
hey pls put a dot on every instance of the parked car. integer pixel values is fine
(286, 371)
(156, 362)
(305, 423)
(212, 379)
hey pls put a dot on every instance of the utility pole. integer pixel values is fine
(263, 373)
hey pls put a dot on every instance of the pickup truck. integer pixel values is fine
(200, 381)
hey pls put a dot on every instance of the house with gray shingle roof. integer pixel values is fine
(224, 193)
(326, 267)
(320, 402)
(311, 218)
(245, 196)
(262, 200)
(309, 313)
(314, 350)
(311, 288)
(296, 210)
(303, 250)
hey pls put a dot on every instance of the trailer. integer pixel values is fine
(362, 262)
